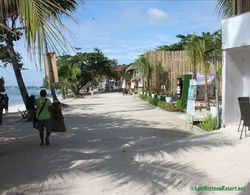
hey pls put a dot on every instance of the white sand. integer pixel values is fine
(120, 145)
(15, 108)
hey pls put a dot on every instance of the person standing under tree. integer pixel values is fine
(1, 107)
(6, 103)
(43, 115)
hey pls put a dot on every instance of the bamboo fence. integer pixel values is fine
(174, 63)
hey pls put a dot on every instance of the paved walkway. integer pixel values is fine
(120, 145)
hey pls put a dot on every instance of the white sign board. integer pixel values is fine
(192, 90)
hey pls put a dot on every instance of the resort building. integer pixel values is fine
(236, 60)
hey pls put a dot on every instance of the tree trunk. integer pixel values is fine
(17, 71)
(143, 85)
(194, 66)
(206, 92)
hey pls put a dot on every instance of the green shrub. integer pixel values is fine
(161, 104)
(154, 101)
(209, 124)
(170, 107)
(178, 106)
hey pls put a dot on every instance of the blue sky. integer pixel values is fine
(124, 29)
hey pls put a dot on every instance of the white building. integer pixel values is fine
(236, 64)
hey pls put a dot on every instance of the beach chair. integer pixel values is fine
(245, 112)
(241, 99)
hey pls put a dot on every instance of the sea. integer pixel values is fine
(15, 97)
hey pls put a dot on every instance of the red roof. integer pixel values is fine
(120, 68)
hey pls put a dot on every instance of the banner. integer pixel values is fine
(54, 74)
(192, 91)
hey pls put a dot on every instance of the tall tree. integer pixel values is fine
(67, 73)
(204, 45)
(159, 75)
(192, 52)
(38, 21)
(179, 46)
(85, 68)
(145, 70)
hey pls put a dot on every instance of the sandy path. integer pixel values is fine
(120, 145)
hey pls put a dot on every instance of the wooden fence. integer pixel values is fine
(174, 63)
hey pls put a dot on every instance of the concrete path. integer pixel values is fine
(120, 145)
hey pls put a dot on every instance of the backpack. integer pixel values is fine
(31, 103)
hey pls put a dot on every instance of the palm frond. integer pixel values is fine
(224, 7)
(39, 18)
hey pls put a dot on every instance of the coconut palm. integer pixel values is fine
(192, 53)
(225, 7)
(204, 45)
(145, 70)
(40, 23)
(67, 73)
(159, 75)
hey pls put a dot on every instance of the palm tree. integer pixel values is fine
(67, 73)
(159, 75)
(192, 53)
(38, 21)
(145, 70)
(225, 7)
(204, 45)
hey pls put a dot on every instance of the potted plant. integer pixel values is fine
(169, 96)
(159, 96)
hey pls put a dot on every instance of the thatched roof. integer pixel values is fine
(132, 67)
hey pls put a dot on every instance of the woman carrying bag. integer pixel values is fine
(43, 116)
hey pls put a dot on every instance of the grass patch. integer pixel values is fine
(209, 124)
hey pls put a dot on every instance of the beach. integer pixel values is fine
(118, 144)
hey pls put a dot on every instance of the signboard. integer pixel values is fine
(54, 74)
(191, 100)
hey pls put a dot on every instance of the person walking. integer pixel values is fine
(6, 103)
(43, 115)
(1, 107)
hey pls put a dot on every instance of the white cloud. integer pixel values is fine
(156, 15)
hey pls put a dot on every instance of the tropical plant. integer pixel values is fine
(67, 73)
(204, 45)
(82, 69)
(40, 23)
(217, 44)
(192, 52)
(179, 46)
(159, 75)
(224, 7)
(145, 70)
(209, 124)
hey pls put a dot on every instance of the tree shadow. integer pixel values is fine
(122, 151)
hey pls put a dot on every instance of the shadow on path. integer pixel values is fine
(122, 151)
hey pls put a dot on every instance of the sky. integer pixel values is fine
(124, 29)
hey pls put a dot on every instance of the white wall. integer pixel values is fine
(236, 81)
(232, 87)
(236, 31)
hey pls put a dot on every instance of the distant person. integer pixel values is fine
(43, 115)
(124, 87)
(31, 109)
(1, 107)
(92, 91)
(6, 103)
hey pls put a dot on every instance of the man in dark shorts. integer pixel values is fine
(43, 115)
